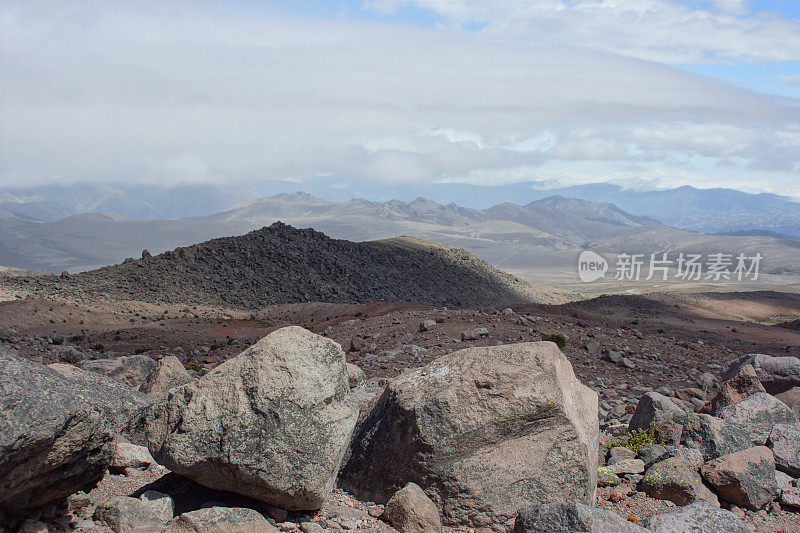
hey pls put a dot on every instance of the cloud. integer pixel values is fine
(793, 81)
(736, 7)
(658, 30)
(166, 92)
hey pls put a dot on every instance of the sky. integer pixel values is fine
(642, 93)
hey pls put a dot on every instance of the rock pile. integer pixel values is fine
(500, 437)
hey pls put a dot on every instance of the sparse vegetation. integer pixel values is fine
(556, 338)
(638, 438)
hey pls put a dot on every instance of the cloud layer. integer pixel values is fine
(190, 92)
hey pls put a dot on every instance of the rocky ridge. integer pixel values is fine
(281, 264)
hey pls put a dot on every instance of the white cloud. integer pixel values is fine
(169, 91)
(736, 7)
(659, 30)
(794, 81)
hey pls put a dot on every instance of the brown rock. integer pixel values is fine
(687, 394)
(744, 384)
(411, 511)
(792, 399)
(745, 478)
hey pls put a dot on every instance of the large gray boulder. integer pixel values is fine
(486, 431)
(699, 517)
(654, 408)
(758, 413)
(674, 479)
(52, 442)
(714, 437)
(784, 440)
(777, 374)
(121, 405)
(572, 517)
(272, 423)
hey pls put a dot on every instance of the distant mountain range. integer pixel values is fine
(705, 210)
(543, 237)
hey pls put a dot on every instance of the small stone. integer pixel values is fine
(620, 452)
(411, 511)
(626, 466)
(355, 376)
(606, 478)
(427, 325)
(375, 511)
(129, 455)
(790, 497)
(311, 527)
(619, 493)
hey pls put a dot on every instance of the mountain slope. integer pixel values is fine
(281, 264)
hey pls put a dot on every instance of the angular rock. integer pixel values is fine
(272, 423)
(668, 432)
(652, 453)
(411, 511)
(699, 517)
(745, 478)
(784, 440)
(121, 405)
(607, 478)
(758, 413)
(52, 443)
(777, 374)
(129, 515)
(129, 455)
(572, 517)
(790, 497)
(131, 370)
(741, 386)
(792, 400)
(627, 466)
(427, 325)
(654, 408)
(159, 503)
(221, 520)
(714, 437)
(620, 453)
(168, 373)
(488, 431)
(355, 376)
(674, 480)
